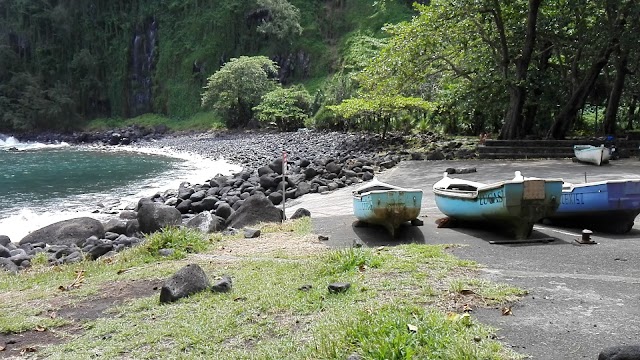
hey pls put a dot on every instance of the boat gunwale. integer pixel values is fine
(472, 194)
(362, 190)
(573, 186)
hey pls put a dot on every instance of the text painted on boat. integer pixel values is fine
(572, 199)
(490, 198)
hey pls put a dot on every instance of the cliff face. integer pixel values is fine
(124, 58)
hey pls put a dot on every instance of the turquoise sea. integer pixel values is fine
(41, 184)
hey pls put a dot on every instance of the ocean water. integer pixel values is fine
(41, 184)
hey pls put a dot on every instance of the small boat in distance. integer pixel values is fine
(513, 205)
(378, 203)
(608, 206)
(596, 155)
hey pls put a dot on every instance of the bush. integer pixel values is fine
(286, 108)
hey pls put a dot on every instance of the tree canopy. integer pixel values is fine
(520, 68)
(238, 87)
(286, 108)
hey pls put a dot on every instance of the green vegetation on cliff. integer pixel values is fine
(63, 62)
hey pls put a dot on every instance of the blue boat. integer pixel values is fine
(607, 206)
(390, 206)
(512, 205)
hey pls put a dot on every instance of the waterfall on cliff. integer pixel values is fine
(142, 66)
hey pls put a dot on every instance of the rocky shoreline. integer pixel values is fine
(317, 162)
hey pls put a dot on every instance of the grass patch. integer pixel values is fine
(181, 241)
(396, 308)
(301, 226)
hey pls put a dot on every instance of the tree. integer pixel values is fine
(287, 108)
(615, 18)
(283, 20)
(448, 56)
(514, 121)
(238, 87)
(626, 48)
(378, 112)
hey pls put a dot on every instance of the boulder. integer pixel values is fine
(366, 176)
(117, 226)
(99, 250)
(8, 265)
(198, 196)
(206, 222)
(4, 240)
(67, 232)
(184, 206)
(185, 192)
(275, 198)
(222, 285)
(206, 204)
(265, 170)
(4, 252)
(219, 180)
(310, 173)
(128, 215)
(276, 166)
(223, 210)
(300, 212)
(155, 216)
(133, 227)
(268, 181)
(303, 189)
(333, 167)
(250, 233)
(186, 281)
(257, 208)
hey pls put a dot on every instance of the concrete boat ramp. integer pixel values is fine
(582, 298)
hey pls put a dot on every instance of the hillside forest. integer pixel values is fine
(517, 69)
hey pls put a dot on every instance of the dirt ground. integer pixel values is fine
(23, 344)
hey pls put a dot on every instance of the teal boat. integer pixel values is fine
(513, 205)
(390, 206)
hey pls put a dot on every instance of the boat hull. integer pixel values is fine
(388, 208)
(607, 206)
(511, 206)
(596, 155)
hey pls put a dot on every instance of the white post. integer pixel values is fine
(284, 183)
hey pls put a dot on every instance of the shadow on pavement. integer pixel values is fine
(494, 236)
(373, 235)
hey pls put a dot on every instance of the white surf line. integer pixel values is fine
(537, 227)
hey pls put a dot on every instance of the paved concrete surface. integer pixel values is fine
(582, 298)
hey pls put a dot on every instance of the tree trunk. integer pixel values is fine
(616, 93)
(564, 119)
(531, 110)
(512, 127)
(631, 113)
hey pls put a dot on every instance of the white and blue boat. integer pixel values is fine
(596, 155)
(608, 206)
(390, 206)
(513, 205)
